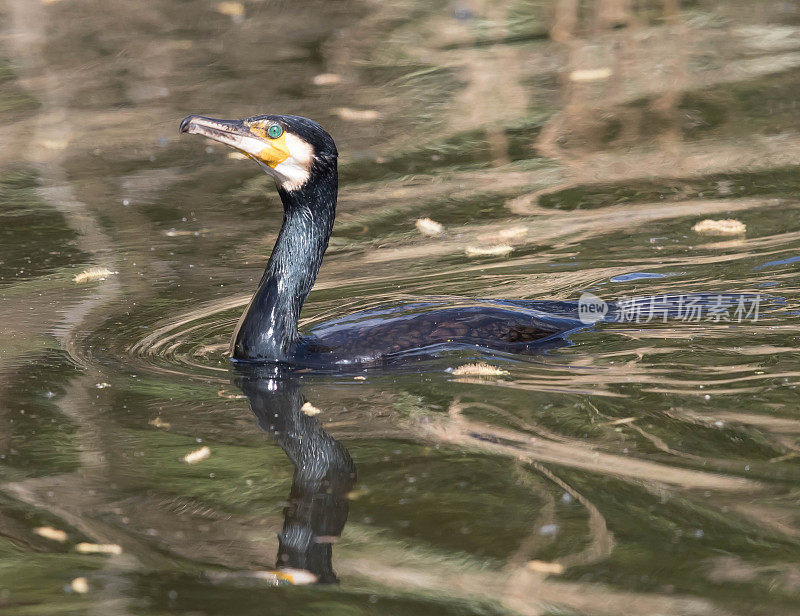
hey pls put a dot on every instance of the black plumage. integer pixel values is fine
(267, 331)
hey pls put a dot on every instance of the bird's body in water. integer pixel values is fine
(302, 158)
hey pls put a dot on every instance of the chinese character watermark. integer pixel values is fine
(687, 308)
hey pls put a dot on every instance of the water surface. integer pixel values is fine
(640, 468)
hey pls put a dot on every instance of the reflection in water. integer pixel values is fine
(324, 473)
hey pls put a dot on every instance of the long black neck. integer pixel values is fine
(267, 330)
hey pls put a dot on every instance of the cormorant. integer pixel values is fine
(302, 158)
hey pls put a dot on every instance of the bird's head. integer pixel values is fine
(289, 148)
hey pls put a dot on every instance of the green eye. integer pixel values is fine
(275, 131)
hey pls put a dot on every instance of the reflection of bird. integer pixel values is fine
(324, 473)
(302, 159)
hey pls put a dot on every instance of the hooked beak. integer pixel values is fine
(239, 135)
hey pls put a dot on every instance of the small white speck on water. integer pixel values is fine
(477, 369)
(540, 566)
(79, 585)
(429, 227)
(310, 410)
(197, 456)
(159, 423)
(54, 534)
(728, 226)
(93, 274)
(326, 79)
(98, 548)
(488, 251)
(590, 74)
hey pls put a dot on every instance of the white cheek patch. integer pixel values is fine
(292, 173)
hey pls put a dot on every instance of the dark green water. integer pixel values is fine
(652, 468)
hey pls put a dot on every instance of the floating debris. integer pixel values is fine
(326, 79)
(231, 9)
(541, 566)
(159, 423)
(79, 585)
(488, 251)
(224, 394)
(92, 274)
(358, 115)
(356, 494)
(310, 410)
(478, 369)
(55, 144)
(197, 456)
(590, 74)
(520, 205)
(98, 548)
(623, 421)
(102, 385)
(512, 233)
(429, 227)
(297, 577)
(359, 378)
(728, 226)
(184, 233)
(54, 534)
